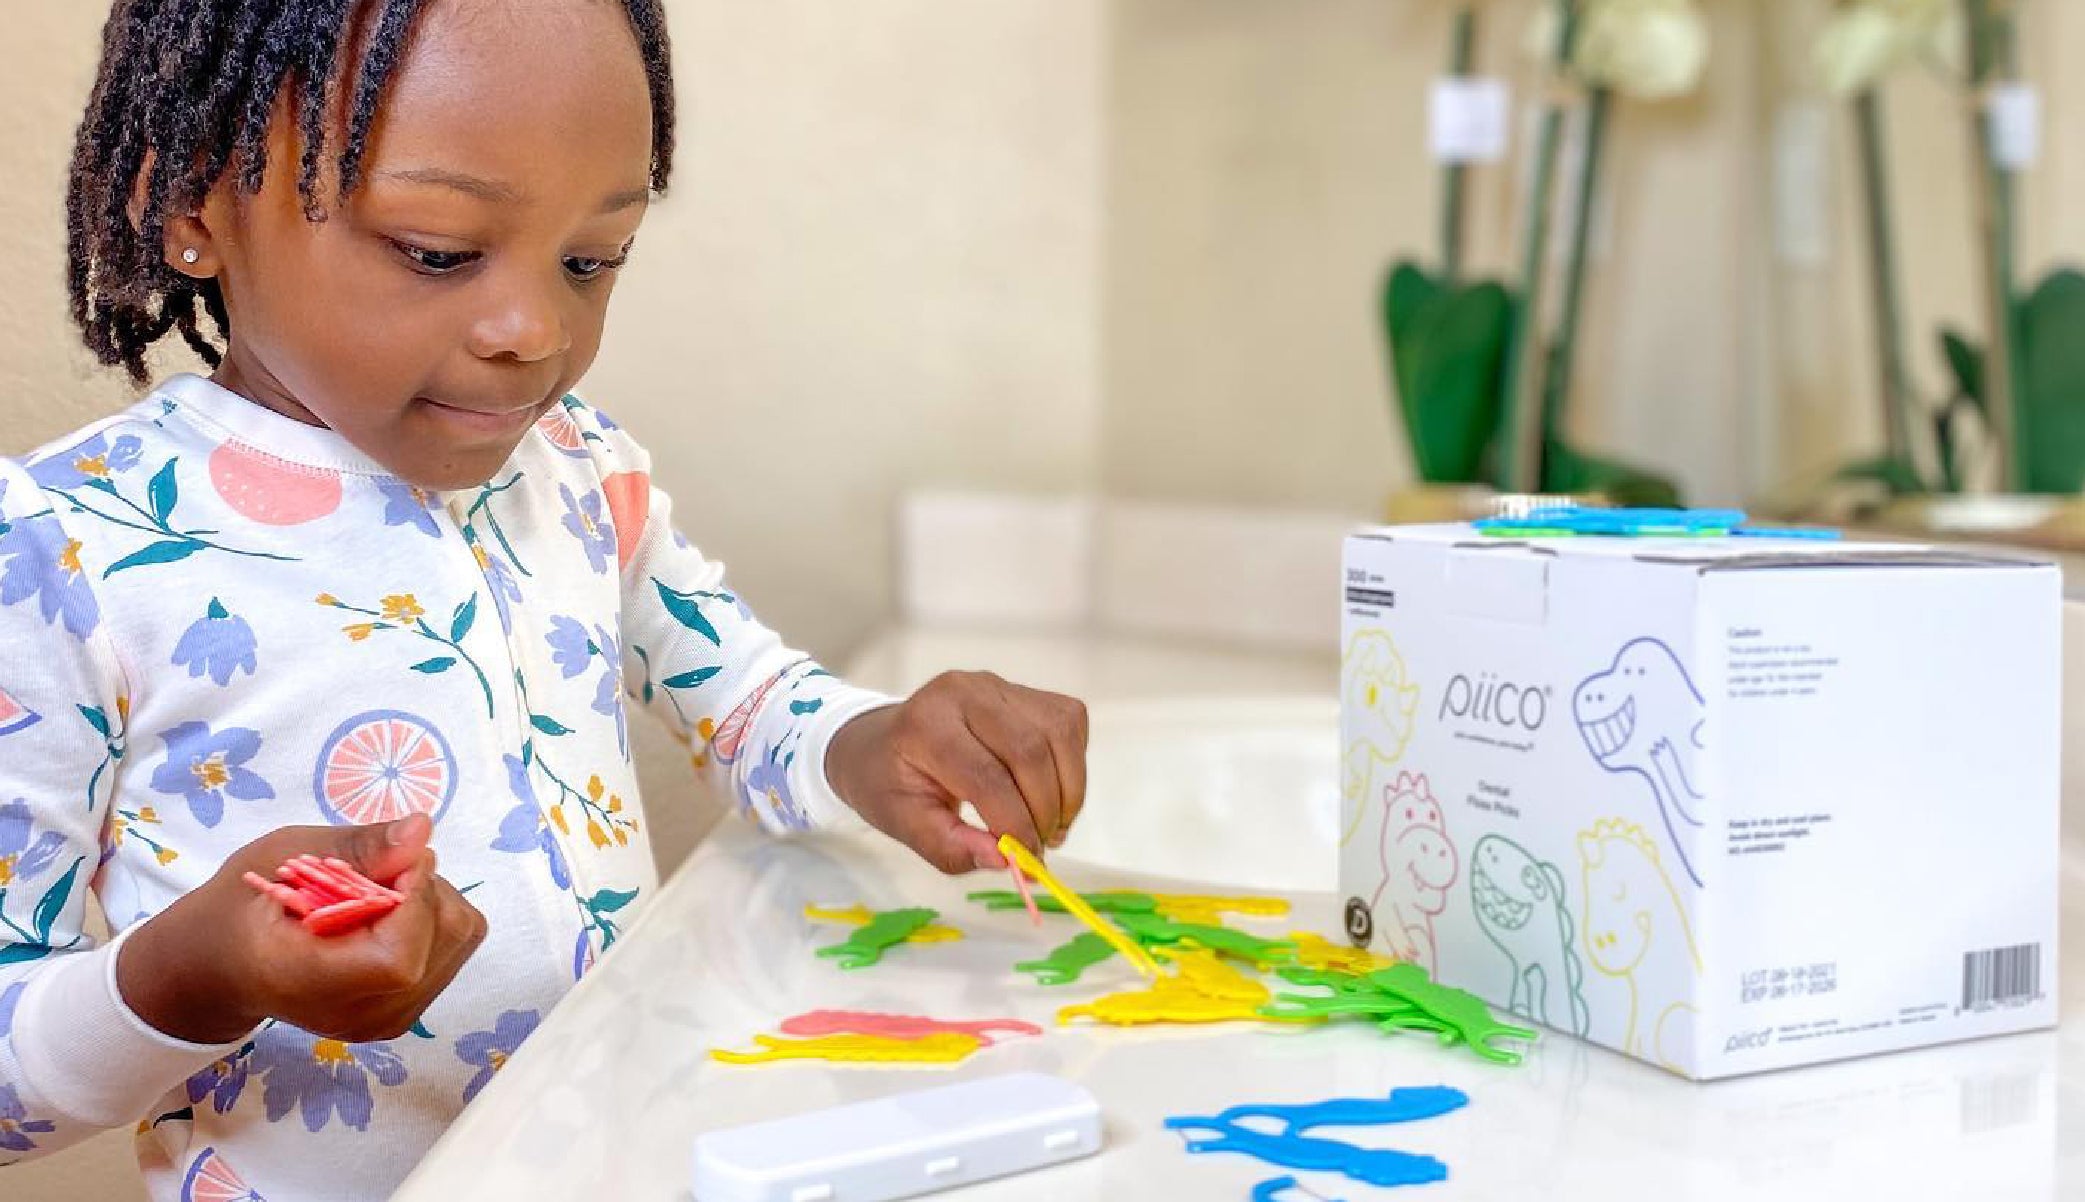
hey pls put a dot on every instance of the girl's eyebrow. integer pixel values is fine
(495, 192)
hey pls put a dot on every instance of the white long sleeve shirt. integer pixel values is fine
(216, 621)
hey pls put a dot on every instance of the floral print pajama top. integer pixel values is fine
(216, 621)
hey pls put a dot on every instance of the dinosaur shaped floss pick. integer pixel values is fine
(1723, 804)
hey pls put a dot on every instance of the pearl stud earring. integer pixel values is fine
(191, 256)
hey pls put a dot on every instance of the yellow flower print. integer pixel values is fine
(359, 631)
(210, 772)
(96, 466)
(402, 608)
(69, 558)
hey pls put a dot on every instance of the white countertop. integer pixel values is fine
(606, 1100)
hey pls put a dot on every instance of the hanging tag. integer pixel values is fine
(1468, 120)
(2015, 113)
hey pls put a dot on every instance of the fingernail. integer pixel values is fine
(394, 833)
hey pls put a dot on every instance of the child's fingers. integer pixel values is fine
(965, 768)
(384, 851)
(1019, 742)
(952, 845)
(1062, 721)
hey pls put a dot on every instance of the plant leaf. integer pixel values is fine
(170, 551)
(164, 492)
(549, 726)
(434, 666)
(1965, 361)
(608, 901)
(96, 719)
(1895, 474)
(1447, 350)
(466, 617)
(2051, 392)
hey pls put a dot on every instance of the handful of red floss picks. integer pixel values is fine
(328, 895)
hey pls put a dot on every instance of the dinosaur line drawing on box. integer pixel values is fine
(1381, 708)
(1520, 905)
(1420, 863)
(1643, 716)
(1636, 930)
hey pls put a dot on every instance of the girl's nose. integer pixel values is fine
(524, 322)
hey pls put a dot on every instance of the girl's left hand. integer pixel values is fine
(1015, 753)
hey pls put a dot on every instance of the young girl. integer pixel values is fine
(379, 588)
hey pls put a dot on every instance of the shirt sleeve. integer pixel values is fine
(759, 715)
(74, 1059)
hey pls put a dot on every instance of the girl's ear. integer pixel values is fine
(187, 246)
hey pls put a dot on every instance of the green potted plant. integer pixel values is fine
(1482, 386)
(2013, 415)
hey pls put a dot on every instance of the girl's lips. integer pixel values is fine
(482, 423)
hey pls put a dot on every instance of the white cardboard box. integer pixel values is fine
(1725, 806)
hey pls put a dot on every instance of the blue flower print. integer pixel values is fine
(95, 459)
(405, 505)
(9, 998)
(501, 583)
(588, 523)
(20, 857)
(769, 782)
(204, 766)
(41, 562)
(321, 1077)
(15, 1124)
(524, 829)
(222, 1082)
(490, 1050)
(220, 644)
(574, 650)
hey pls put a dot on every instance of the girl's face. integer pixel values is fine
(460, 292)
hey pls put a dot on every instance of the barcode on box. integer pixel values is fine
(2001, 976)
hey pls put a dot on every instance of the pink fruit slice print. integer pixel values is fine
(264, 490)
(563, 431)
(383, 765)
(14, 715)
(630, 505)
(731, 736)
(210, 1179)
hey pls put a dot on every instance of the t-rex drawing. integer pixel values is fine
(1644, 716)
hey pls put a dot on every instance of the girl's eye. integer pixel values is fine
(434, 262)
(583, 269)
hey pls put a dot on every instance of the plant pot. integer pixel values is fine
(1420, 504)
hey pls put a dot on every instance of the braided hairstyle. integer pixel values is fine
(187, 89)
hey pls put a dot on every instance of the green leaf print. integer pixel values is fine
(687, 613)
(165, 491)
(53, 903)
(692, 679)
(608, 901)
(96, 719)
(170, 551)
(439, 664)
(549, 726)
(466, 617)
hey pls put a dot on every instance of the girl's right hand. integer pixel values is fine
(222, 958)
